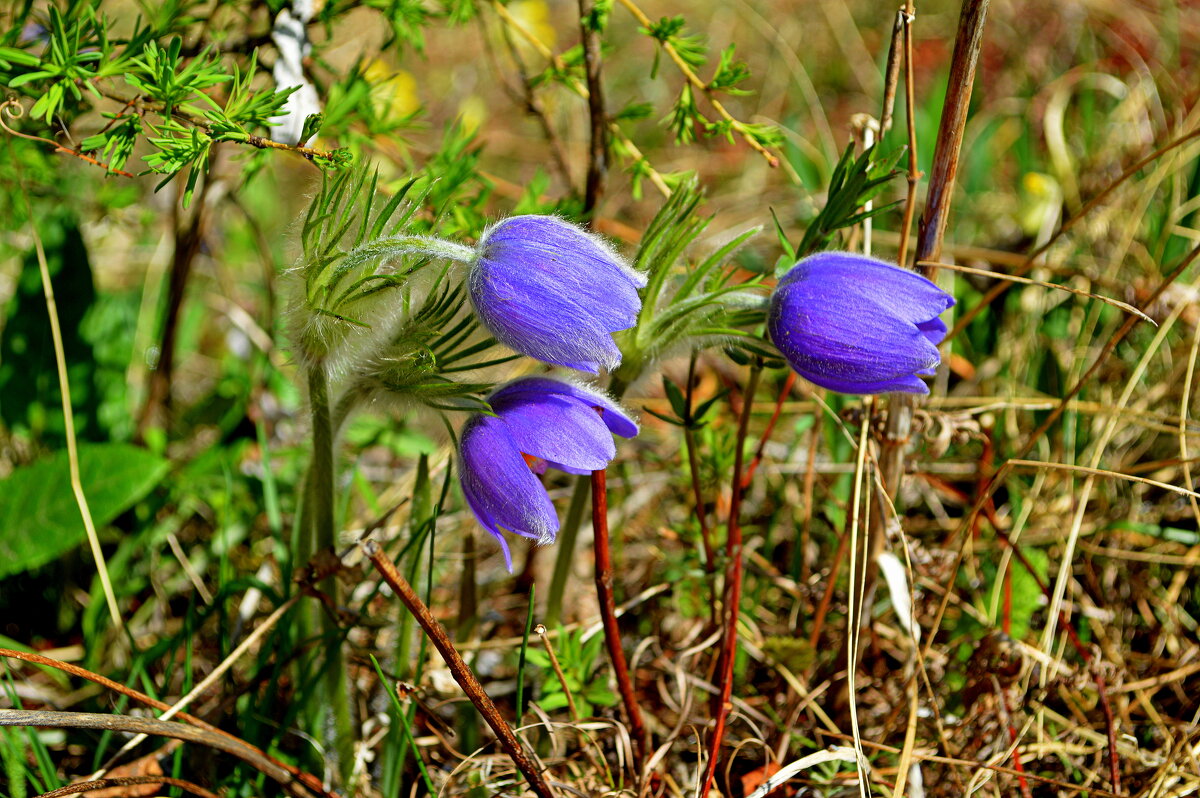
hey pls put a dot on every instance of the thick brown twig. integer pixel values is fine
(159, 728)
(189, 236)
(597, 118)
(458, 668)
(891, 72)
(608, 614)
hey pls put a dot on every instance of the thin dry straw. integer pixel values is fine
(64, 387)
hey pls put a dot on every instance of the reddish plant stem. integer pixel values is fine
(788, 385)
(810, 480)
(830, 585)
(608, 614)
(13, 109)
(733, 586)
(458, 668)
(1006, 718)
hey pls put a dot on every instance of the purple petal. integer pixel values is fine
(908, 384)
(934, 330)
(487, 522)
(613, 415)
(558, 429)
(498, 484)
(897, 292)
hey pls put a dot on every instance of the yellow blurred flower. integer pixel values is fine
(472, 113)
(534, 16)
(394, 93)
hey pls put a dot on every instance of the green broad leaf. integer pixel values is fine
(39, 519)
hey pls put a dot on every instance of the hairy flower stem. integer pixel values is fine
(608, 615)
(458, 668)
(318, 534)
(733, 584)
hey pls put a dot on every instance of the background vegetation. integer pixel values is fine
(1047, 525)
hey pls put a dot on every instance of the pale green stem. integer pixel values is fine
(319, 533)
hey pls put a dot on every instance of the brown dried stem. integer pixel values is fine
(608, 615)
(311, 781)
(908, 13)
(597, 118)
(128, 781)
(458, 668)
(159, 728)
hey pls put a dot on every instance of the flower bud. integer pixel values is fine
(547, 289)
(854, 324)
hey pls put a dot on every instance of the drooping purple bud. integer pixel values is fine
(539, 422)
(854, 324)
(550, 290)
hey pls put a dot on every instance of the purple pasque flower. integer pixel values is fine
(539, 422)
(549, 290)
(854, 324)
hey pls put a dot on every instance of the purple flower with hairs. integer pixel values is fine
(547, 289)
(540, 423)
(854, 324)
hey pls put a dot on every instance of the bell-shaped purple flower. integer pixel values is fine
(547, 289)
(854, 324)
(540, 422)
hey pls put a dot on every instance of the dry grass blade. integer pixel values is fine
(1101, 472)
(179, 731)
(130, 781)
(213, 677)
(64, 388)
(1013, 278)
